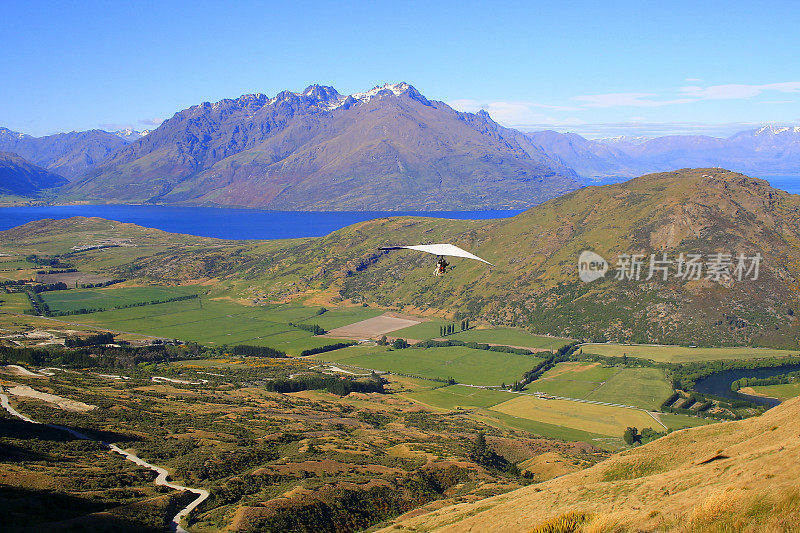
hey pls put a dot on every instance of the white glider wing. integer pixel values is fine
(440, 249)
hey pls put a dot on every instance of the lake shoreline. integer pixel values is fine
(227, 222)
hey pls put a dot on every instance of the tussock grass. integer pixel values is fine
(736, 511)
(569, 522)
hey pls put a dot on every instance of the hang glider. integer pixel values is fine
(439, 249)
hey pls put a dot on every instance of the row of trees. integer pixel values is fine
(326, 348)
(781, 379)
(449, 329)
(316, 329)
(257, 351)
(341, 386)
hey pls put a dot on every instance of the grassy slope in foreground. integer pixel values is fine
(681, 354)
(733, 476)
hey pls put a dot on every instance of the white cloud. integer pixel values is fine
(635, 128)
(736, 91)
(151, 121)
(627, 100)
(510, 113)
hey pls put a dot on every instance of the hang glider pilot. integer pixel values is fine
(441, 266)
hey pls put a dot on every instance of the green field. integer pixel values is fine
(602, 419)
(15, 302)
(75, 299)
(681, 354)
(572, 380)
(505, 336)
(782, 391)
(676, 422)
(537, 427)
(335, 318)
(455, 396)
(465, 365)
(641, 387)
(217, 322)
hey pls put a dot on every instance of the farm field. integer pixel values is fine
(580, 427)
(681, 354)
(342, 316)
(455, 396)
(505, 336)
(15, 302)
(572, 380)
(782, 391)
(474, 367)
(544, 429)
(602, 419)
(215, 322)
(641, 387)
(75, 299)
(676, 422)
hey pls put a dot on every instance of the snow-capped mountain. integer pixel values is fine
(129, 134)
(385, 148)
(624, 140)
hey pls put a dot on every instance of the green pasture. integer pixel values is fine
(335, 318)
(537, 427)
(505, 336)
(215, 322)
(465, 365)
(74, 299)
(455, 396)
(15, 302)
(676, 422)
(681, 354)
(782, 391)
(640, 387)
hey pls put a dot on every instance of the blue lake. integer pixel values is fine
(227, 223)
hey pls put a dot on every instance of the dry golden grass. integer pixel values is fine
(728, 477)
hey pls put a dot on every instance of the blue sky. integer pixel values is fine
(596, 68)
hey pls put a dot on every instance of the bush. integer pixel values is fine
(400, 344)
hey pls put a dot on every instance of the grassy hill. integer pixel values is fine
(534, 283)
(735, 476)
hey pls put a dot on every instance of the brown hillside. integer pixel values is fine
(734, 476)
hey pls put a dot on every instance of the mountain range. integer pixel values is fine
(388, 148)
(769, 150)
(19, 177)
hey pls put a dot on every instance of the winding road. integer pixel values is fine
(162, 474)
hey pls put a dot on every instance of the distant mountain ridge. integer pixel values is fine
(67, 154)
(386, 148)
(19, 177)
(766, 150)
